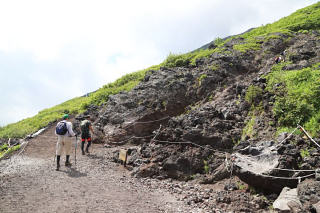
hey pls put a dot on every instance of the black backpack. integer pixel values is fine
(61, 128)
(85, 126)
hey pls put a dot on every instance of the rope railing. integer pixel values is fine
(286, 178)
(230, 164)
(308, 136)
(287, 136)
(144, 122)
(296, 170)
(132, 137)
(188, 142)
(290, 170)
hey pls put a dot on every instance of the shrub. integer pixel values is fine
(218, 41)
(253, 95)
(177, 60)
(248, 129)
(205, 167)
(304, 153)
(297, 97)
(203, 76)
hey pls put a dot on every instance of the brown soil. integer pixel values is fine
(29, 183)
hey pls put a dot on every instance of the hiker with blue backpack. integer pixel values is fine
(64, 132)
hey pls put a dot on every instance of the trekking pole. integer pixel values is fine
(92, 143)
(75, 150)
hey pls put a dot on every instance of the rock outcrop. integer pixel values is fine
(188, 120)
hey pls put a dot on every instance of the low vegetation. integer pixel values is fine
(5, 150)
(253, 95)
(302, 20)
(302, 105)
(29, 125)
(297, 97)
(73, 106)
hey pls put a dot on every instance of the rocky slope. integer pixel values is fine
(205, 107)
(217, 123)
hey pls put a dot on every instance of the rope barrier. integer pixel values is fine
(188, 142)
(144, 122)
(308, 136)
(132, 137)
(296, 170)
(287, 137)
(270, 149)
(290, 170)
(23, 148)
(285, 178)
(224, 152)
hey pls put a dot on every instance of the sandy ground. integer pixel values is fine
(29, 183)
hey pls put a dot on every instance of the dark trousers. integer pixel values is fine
(83, 140)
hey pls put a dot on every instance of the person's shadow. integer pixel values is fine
(73, 172)
(94, 156)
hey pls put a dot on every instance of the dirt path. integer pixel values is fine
(29, 183)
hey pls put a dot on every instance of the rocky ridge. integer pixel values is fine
(204, 107)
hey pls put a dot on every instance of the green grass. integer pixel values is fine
(304, 153)
(5, 150)
(125, 83)
(189, 59)
(206, 167)
(297, 97)
(32, 124)
(302, 20)
(307, 18)
(248, 129)
(74, 106)
(253, 95)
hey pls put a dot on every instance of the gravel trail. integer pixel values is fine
(29, 183)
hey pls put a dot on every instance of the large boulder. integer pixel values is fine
(288, 201)
(254, 165)
(309, 193)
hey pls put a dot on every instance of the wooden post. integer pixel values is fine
(123, 154)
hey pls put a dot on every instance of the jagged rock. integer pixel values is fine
(287, 198)
(256, 163)
(205, 105)
(149, 170)
(98, 136)
(316, 207)
(309, 192)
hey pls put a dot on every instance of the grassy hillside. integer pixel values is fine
(302, 20)
(29, 125)
(297, 97)
(73, 106)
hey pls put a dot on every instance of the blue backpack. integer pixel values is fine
(61, 128)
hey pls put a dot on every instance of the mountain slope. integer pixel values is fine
(190, 113)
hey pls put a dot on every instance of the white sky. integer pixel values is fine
(52, 51)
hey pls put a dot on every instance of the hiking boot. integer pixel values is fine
(58, 163)
(83, 153)
(67, 161)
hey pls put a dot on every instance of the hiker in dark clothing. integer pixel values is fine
(278, 59)
(86, 127)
